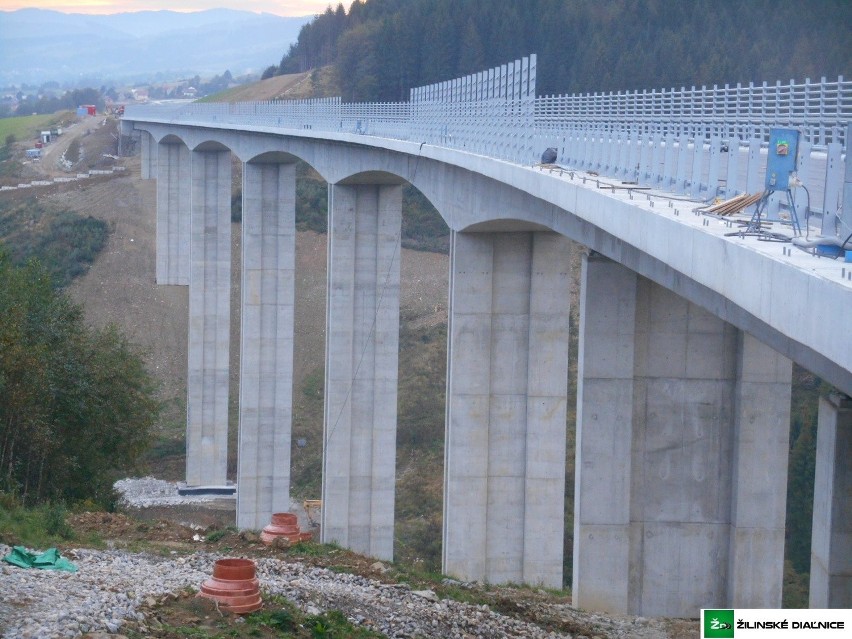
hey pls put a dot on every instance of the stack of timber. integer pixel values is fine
(734, 205)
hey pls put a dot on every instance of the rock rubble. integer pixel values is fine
(113, 587)
(143, 492)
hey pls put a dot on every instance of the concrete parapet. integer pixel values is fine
(831, 545)
(504, 472)
(266, 347)
(682, 428)
(362, 341)
(209, 319)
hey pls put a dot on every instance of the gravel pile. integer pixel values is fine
(142, 492)
(107, 589)
(111, 586)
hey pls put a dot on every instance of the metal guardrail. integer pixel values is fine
(702, 142)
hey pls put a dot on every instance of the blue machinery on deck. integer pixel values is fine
(780, 176)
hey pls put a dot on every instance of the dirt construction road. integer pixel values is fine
(51, 159)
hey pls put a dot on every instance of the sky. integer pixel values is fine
(278, 7)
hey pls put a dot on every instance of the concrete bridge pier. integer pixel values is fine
(173, 214)
(148, 155)
(266, 347)
(682, 437)
(507, 379)
(362, 343)
(209, 318)
(831, 544)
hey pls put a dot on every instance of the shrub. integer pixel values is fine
(54, 521)
(64, 242)
(78, 404)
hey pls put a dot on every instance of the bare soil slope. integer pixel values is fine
(120, 287)
(88, 148)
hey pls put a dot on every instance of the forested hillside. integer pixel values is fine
(382, 48)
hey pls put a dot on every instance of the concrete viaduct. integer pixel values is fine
(687, 338)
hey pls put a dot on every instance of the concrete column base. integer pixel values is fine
(362, 343)
(682, 430)
(831, 545)
(209, 320)
(266, 342)
(507, 379)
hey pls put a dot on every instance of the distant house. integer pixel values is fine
(190, 92)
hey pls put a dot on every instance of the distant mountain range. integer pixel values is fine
(37, 45)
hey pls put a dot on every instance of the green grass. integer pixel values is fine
(314, 384)
(28, 126)
(166, 447)
(223, 96)
(39, 527)
(278, 619)
(278, 613)
(334, 625)
(313, 549)
(216, 535)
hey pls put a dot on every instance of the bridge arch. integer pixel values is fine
(210, 146)
(371, 177)
(657, 262)
(171, 138)
(506, 224)
(273, 157)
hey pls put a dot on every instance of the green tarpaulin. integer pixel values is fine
(50, 559)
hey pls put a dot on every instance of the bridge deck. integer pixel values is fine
(683, 210)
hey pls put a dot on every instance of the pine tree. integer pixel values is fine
(583, 45)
